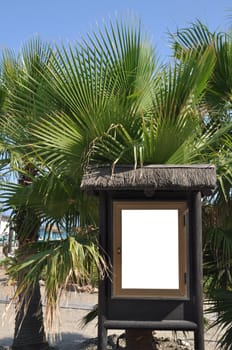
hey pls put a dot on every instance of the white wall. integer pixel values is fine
(4, 227)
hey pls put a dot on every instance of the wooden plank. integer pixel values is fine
(158, 325)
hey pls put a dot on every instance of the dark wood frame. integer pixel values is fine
(117, 290)
(153, 313)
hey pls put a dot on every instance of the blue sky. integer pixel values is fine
(68, 20)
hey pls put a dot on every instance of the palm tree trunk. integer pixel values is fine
(29, 326)
(29, 329)
(139, 339)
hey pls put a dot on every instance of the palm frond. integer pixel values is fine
(219, 92)
(54, 199)
(221, 305)
(217, 257)
(71, 255)
(196, 36)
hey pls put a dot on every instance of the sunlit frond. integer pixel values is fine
(71, 255)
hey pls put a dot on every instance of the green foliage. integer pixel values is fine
(218, 259)
(221, 305)
(108, 100)
(78, 259)
(217, 228)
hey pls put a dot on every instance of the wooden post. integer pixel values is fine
(102, 330)
(197, 222)
(102, 333)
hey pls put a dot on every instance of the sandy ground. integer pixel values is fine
(73, 308)
(69, 331)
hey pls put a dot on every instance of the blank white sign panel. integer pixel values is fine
(150, 249)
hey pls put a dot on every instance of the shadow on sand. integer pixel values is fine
(66, 341)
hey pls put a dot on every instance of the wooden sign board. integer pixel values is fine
(150, 249)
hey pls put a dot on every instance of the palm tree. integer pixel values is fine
(217, 211)
(23, 75)
(17, 72)
(29, 330)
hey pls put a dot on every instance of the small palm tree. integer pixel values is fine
(217, 226)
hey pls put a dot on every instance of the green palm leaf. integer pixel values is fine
(72, 255)
(222, 307)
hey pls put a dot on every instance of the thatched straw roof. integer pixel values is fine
(153, 177)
